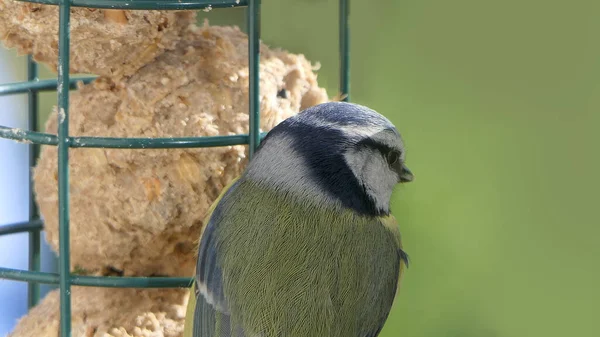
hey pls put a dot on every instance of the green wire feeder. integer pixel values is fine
(62, 84)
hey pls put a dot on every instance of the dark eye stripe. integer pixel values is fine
(383, 148)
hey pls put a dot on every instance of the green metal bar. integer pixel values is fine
(148, 4)
(97, 281)
(26, 136)
(64, 33)
(33, 225)
(159, 143)
(253, 65)
(33, 291)
(344, 32)
(39, 85)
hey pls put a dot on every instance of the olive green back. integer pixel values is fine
(294, 268)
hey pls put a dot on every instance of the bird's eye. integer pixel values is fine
(393, 157)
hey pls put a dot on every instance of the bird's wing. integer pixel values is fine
(391, 225)
(209, 308)
(211, 312)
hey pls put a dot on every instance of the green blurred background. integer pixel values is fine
(497, 102)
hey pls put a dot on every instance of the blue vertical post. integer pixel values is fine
(63, 168)
(344, 39)
(33, 293)
(253, 21)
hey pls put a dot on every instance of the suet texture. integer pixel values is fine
(103, 42)
(303, 243)
(109, 312)
(139, 212)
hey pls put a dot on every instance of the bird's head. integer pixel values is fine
(336, 152)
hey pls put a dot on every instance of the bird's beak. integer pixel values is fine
(406, 175)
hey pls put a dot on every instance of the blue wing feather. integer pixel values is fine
(211, 315)
(402, 259)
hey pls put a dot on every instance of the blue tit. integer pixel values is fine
(303, 244)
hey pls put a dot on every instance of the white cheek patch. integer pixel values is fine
(373, 172)
(356, 160)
